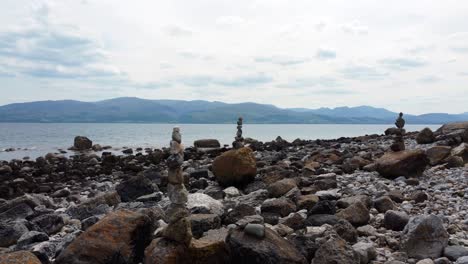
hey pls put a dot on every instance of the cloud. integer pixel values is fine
(403, 63)
(239, 81)
(458, 42)
(355, 28)
(47, 50)
(362, 72)
(177, 31)
(325, 54)
(322, 81)
(429, 79)
(283, 61)
(229, 20)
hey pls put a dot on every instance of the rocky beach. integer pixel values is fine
(391, 198)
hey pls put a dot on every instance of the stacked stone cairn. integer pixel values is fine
(239, 140)
(398, 143)
(178, 228)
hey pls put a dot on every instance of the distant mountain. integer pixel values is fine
(136, 110)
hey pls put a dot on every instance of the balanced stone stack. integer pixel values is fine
(398, 143)
(239, 140)
(179, 228)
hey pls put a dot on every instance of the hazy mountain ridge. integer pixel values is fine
(129, 109)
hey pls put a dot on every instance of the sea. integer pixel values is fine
(37, 139)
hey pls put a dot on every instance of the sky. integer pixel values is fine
(408, 56)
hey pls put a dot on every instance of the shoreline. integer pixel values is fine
(339, 191)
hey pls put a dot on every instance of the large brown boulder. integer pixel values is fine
(120, 237)
(248, 249)
(82, 143)
(402, 163)
(164, 251)
(19, 257)
(438, 154)
(235, 167)
(453, 133)
(426, 136)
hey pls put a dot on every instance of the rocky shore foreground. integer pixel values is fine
(393, 198)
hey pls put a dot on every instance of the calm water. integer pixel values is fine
(34, 140)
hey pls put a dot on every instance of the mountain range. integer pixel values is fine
(136, 110)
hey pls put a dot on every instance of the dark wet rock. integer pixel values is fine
(82, 143)
(321, 219)
(30, 238)
(307, 201)
(95, 206)
(323, 207)
(383, 204)
(271, 249)
(455, 162)
(235, 167)
(88, 222)
(455, 252)
(120, 237)
(279, 206)
(335, 250)
(49, 223)
(395, 220)
(424, 237)
(10, 232)
(281, 187)
(419, 196)
(346, 231)
(426, 136)
(237, 213)
(203, 222)
(207, 143)
(18, 212)
(135, 187)
(357, 214)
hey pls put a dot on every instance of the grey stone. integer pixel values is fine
(256, 230)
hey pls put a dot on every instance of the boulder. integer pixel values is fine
(281, 187)
(437, 154)
(335, 250)
(19, 257)
(82, 143)
(424, 237)
(135, 187)
(426, 136)
(393, 131)
(203, 222)
(208, 250)
(366, 251)
(280, 206)
(357, 214)
(235, 167)
(207, 143)
(395, 220)
(49, 223)
(455, 162)
(403, 163)
(455, 252)
(453, 133)
(383, 204)
(237, 213)
(204, 204)
(461, 151)
(271, 249)
(307, 202)
(164, 251)
(10, 232)
(120, 237)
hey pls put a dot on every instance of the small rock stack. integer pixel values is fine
(398, 143)
(179, 228)
(239, 140)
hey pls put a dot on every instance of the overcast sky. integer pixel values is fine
(409, 56)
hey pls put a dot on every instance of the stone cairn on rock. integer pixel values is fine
(398, 143)
(178, 228)
(239, 140)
